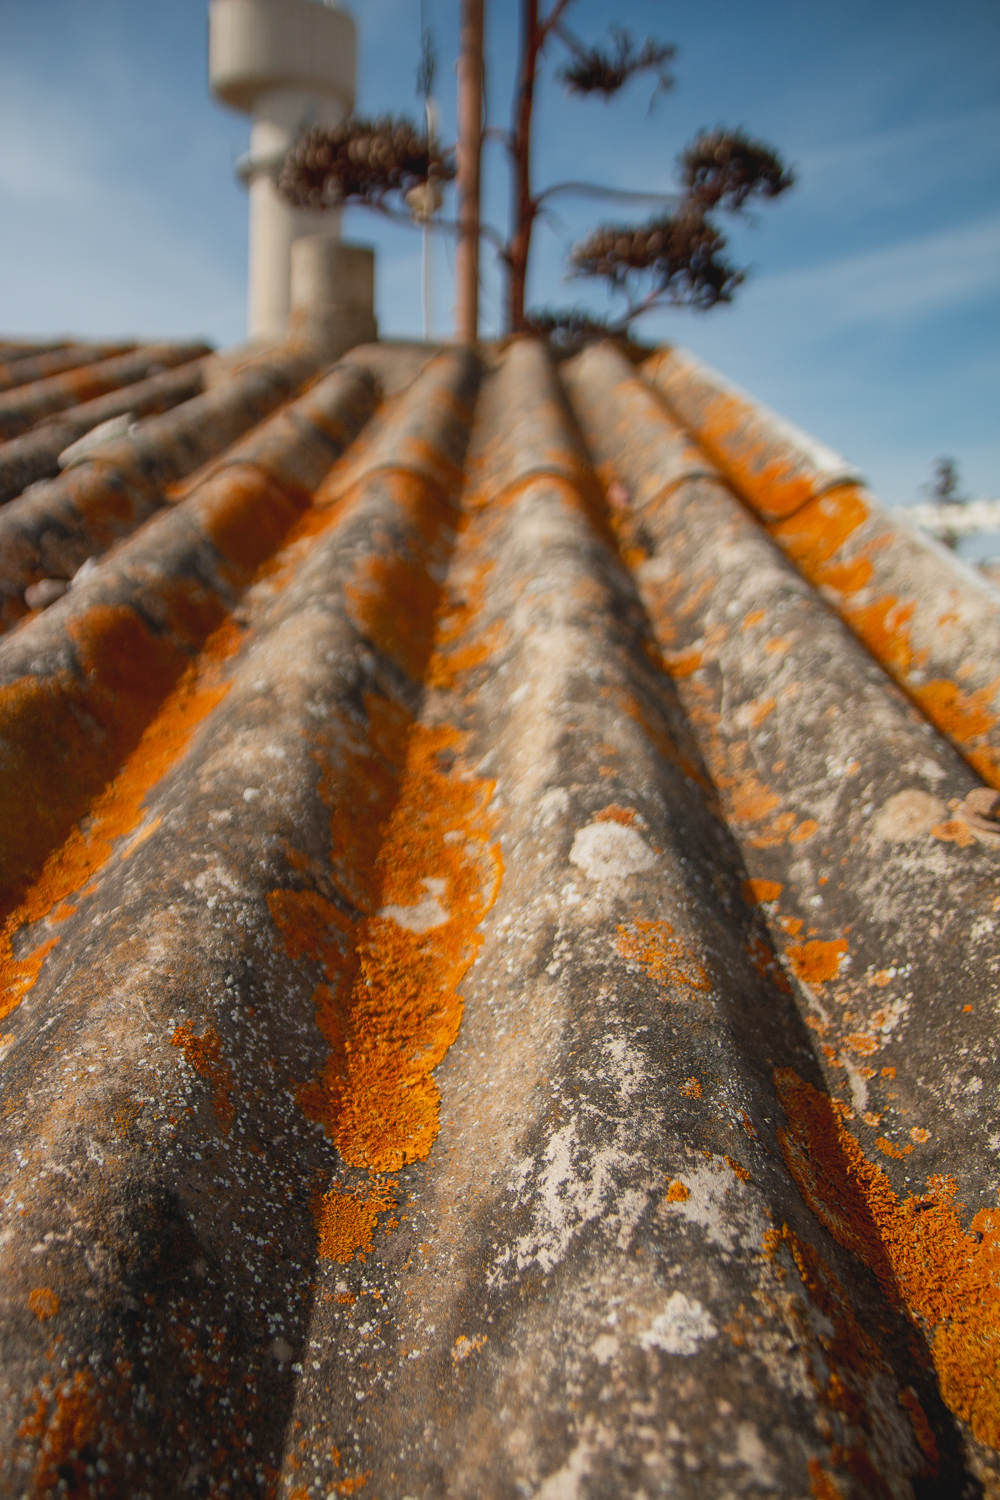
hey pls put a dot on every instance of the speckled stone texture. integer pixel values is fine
(496, 997)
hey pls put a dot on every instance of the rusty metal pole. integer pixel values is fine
(470, 140)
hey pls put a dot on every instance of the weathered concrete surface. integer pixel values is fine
(79, 683)
(156, 1146)
(603, 1280)
(55, 529)
(36, 454)
(931, 621)
(882, 904)
(12, 350)
(278, 1218)
(22, 408)
(25, 369)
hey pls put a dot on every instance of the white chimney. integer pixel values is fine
(288, 63)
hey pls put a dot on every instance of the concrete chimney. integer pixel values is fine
(333, 294)
(289, 64)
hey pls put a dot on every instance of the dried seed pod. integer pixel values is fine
(723, 168)
(361, 160)
(596, 71)
(683, 254)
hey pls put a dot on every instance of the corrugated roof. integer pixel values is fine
(500, 965)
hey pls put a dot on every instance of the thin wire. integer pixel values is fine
(426, 79)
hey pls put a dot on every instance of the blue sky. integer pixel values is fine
(872, 311)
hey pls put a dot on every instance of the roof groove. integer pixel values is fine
(29, 368)
(79, 684)
(36, 454)
(53, 530)
(25, 407)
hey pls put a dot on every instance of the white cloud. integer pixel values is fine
(901, 283)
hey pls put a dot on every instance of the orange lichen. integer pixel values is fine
(677, 1192)
(922, 1429)
(767, 471)
(352, 1485)
(762, 956)
(683, 663)
(888, 1149)
(667, 959)
(64, 1424)
(954, 831)
(465, 1346)
(822, 1484)
(760, 710)
(814, 538)
(613, 813)
(246, 513)
(112, 815)
(756, 892)
(691, 1088)
(204, 1055)
(817, 531)
(44, 1302)
(657, 734)
(965, 717)
(410, 846)
(65, 732)
(392, 596)
(747, 798)
(345, 1223)
(734, 1166)
(850, 1357)
(392, 1009)
(447, 666)
(817, 962)
(945, 1278)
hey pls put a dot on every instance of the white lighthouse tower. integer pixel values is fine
(289, 64)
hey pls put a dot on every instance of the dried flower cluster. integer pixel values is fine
(362, 160)
(596, 71)
(723, 168)
(681, 254)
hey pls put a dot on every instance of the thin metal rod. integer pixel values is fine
(470, 136)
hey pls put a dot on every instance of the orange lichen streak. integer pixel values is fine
(415, 871)
(843, 541)
(663, 956)
(945, 1278)
(116, 812)
(389, 1005)
(65, 1425)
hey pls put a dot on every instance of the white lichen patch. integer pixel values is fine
(681, 1328)
(551, 806)
(722, 1205)
(610, 851)
(908, 815)
(425, 915)
(570, 1187)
